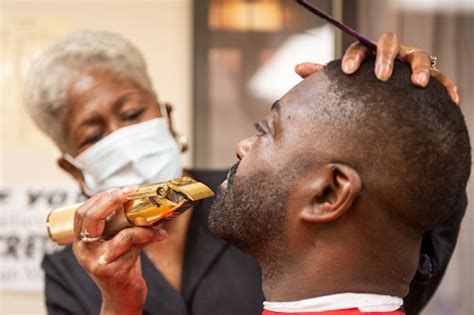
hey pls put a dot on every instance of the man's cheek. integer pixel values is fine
(251, 162)
(244, 166)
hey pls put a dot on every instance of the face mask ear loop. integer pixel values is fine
(85, 189)
(72, 160)
(164, 112)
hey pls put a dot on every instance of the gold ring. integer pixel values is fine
(433, 61)
(85, 237)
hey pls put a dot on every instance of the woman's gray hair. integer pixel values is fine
(45, 90)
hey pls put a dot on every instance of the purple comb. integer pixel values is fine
(343, 27)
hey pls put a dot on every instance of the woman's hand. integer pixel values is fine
(114, 264)
(388, 49)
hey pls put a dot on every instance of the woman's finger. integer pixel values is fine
(89, 219)
(306, 69)
(128, 238)
(420, 63)
(85, 253)
(388, 47)
(121, 266)
(448, 84)
(94, 212)
(353, 57)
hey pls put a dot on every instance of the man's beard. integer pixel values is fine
(250, 213)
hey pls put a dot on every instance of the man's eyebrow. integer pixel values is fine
(276, 107)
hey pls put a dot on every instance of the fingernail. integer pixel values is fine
(348, 66)
(422, 78)
(383, 71)
(129, 189)
(456, 98)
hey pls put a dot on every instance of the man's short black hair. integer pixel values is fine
(410, 144)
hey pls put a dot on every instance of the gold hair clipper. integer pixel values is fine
(151, 204)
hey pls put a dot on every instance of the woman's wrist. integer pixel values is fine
(122, 306)
(130, 302)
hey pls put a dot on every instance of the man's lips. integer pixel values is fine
(232, 171)
(230, 176)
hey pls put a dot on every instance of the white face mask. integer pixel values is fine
(142, 153)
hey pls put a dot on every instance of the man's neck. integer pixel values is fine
(327, 271)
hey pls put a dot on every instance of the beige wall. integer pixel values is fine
(162, 31)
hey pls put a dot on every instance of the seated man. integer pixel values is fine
(334, 194)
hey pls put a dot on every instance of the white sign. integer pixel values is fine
(23, 236)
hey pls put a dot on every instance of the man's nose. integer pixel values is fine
(243, 147)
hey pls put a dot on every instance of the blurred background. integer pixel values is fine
(221, 63)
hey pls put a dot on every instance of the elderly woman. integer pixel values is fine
(91, 94)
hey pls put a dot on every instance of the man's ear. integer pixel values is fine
(331, 192)
(72, 170)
